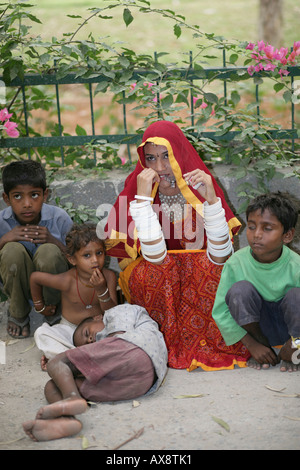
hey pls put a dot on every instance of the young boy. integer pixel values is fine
(121, 357)
(32, 237)
(258, 298)
(87, 289)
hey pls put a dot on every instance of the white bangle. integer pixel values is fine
(155, 260)
(102, 295)
(143, 198)
(40, 311)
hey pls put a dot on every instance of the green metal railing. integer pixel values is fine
(220, 73)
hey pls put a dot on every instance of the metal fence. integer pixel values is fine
(61, 141)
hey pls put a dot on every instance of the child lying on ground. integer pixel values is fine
(258, 298)
(87, 289)
(120, 357)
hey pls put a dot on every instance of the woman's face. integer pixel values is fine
(157, 158)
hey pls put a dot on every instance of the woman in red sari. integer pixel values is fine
(171, 229)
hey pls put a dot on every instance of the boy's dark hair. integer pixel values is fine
(280, 205)
(23, 172)
(83, 322)
(79, 236)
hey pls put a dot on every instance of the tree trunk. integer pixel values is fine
(270, 22)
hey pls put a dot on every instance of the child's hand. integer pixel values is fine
(98, 281)
(206, 188)
(38, 234)
(49, 310)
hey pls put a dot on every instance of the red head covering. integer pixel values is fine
(183, 158)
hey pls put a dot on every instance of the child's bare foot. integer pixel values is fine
(67, 407)
(44, 361)
(255, 365)
(290, 357)
(289, 366)
(46, 430)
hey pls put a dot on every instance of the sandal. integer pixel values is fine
(20, 324)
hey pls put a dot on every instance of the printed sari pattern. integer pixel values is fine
(179, 295)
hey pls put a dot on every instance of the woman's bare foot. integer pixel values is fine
(46, 430)
(67, 407)
(255, 365)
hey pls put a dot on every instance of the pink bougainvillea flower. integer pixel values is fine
(251, 70)
(250, 46)
(283, 72)
(291, 58)
(4, 114)
(261, 45)
(123, 160)
(203, 105)
(269, 51)
(11, 129)
(132, 86)
(296, 47)
(270, 67)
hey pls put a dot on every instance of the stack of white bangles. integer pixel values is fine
(216, 230)
(148, 229)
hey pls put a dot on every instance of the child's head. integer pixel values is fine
(84, 249)
(87, 330)
(271, 221)
(23, 172)
(25, 190)
(280, 205)
(80, 236)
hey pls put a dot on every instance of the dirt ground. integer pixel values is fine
(240, 409)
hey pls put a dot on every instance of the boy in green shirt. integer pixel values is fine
(258, 298)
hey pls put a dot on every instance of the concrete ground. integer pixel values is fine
(240, 409)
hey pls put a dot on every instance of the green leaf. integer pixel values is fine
(80, 130)
(177, 31)
(278, 86)
(127, 16)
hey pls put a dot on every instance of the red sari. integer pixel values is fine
(178, 294)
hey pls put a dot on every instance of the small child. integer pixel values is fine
(121, 357)
(258, 298)
(32, 238)
(87, 289)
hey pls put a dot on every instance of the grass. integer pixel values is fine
(233, 19)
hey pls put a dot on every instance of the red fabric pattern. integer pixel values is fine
(179, 296)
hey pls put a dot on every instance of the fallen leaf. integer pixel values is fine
(222, 423)
(29, 347)
(135, 404)
(292, 418)
(135, 436)
(84, 443)
(12, 441)
(197, 395)
(274, 389)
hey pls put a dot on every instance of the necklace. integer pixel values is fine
(86, 305)
(173, 206)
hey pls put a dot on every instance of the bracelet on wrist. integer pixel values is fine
(143, 198)
(104, 300)
(102, 295)
(40, 311)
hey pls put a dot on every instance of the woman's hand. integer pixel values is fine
(145, 182)
(206, 188)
